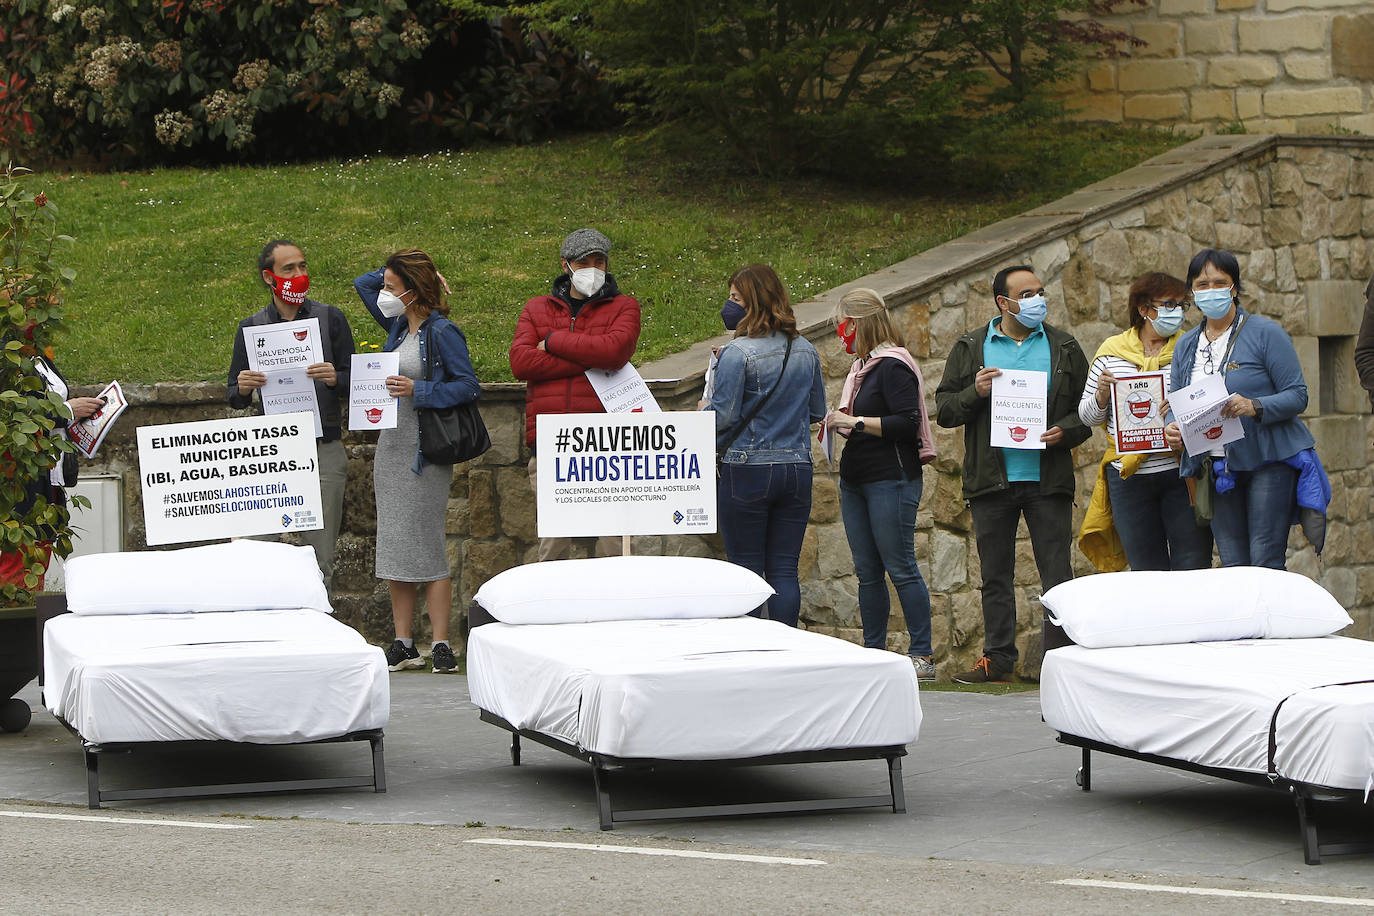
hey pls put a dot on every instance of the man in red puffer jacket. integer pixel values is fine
(584, 323)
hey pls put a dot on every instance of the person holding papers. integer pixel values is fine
(1141, 513)
(883, 415)
(584, 322)
(282, 269)
(768, 392)
(1031, 476)
(407, 299)
(1257, 476)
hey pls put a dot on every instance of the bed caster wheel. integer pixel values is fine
(1078, 777)
(15, 715)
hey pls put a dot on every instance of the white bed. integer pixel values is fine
(681, 689)
(227, 643)
(1263, 697)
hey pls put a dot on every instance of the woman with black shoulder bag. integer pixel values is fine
(406, 297)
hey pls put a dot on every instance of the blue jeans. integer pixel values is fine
(880, 522)
(763, 513)
(1250, 522)
(1155, 520)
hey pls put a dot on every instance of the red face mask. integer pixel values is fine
(846, 331)
(291, 290)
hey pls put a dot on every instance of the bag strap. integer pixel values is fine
(1231, 343)
(787, 354)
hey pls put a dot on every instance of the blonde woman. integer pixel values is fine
(883, 415)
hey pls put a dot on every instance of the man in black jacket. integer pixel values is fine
(283, 271)
(1001, 485)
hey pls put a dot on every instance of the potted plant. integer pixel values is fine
(31, 288)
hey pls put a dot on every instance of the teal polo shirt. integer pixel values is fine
(1031, 354)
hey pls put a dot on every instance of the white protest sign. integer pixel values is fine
(617, 474)
(1019, 398)
(370, 406)
(1138, 413)
(1197, 408)
(283, 345)
(291, 391)
(622, 391)
(215, 479)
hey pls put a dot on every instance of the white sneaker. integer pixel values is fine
(925, 668)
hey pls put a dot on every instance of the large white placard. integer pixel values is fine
(283, 345)
(628, 473)
(291, 391)
(1019, 405)
(1138, 413)
(1197, 408)
(370, 405)
(215, 479)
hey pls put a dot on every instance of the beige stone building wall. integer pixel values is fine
(1269, 65)
(1297, 211)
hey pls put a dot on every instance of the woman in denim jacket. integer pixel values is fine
(1257, 359)
(407, 299)
(764, 411)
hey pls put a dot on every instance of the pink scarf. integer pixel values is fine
(856, 377)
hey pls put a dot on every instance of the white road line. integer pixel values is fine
(1216, 892)
(123, 820)
(653, 851)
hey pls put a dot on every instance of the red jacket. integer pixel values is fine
(603, 336)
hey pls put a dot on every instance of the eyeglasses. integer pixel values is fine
(1208, 366)
(1169, 303)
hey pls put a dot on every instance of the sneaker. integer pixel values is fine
(925, 668)
(983, 672)
(444, 662)
(398, 657)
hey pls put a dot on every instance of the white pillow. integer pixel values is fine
(235, 576)
(622, 588)
(1197, 605)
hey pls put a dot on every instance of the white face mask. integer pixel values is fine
(588, 280)
(390, 304)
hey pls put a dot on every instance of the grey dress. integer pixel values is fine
(411, 508)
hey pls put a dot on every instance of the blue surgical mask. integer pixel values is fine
(1167, 321)
(1033, 312)
(731, 313)
(1214, 303)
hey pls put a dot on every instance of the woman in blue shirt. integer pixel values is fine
(1257, 359)
(768, 391)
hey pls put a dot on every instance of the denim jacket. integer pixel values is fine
(746, 371)
(443, 354)
(1263, 365)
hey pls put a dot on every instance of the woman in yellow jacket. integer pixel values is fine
(1141, 512)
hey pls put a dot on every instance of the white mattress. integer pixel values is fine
(1211, 704)
(268, 677)
(693, 689)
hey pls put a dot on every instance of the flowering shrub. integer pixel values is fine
(31, 286)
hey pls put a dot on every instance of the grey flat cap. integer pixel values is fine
(582, 242)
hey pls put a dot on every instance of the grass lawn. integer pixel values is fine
(166, 259)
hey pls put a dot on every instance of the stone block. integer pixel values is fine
(505, 421)
(1352, 37)
(946, 326)
(1288, 103)
(825, 500)
(915, 321)
(1209, 35)
(1156, 106)
(1306, 262)
(948, 561)
(1309, 358)
(483, 515)
(1283, 33)
(1201, 222)
(1285, 275)
(1049, 258)
(1283, 6)
(515, 497)
(483, 559)
(1097, 106)
(966, 620)
(1182, 7)
(1102, 76)
(1236, 237)
(806, 560)
(1360, 124)
(1239, 71)
(1249, 103)
(833, 558)
(1162, 39)
(1282, 226)
(1342, 585)
(1328, 170)
(1212, 105)
(1334, 307)
(1307, 68)
(1080, 289)
(1316, 215)
(1158, 75)
(1111, 256)
(1235, 4)
(1341, 442)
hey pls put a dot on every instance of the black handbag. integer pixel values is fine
(449, 435)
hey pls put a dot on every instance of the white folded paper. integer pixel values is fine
(1019, 404)
(370, 406)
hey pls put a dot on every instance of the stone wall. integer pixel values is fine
(1297, 211)
(1270, 65)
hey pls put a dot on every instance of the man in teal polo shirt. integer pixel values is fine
(1002, 485)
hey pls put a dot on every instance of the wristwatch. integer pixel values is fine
(859, 425)
(1259, 410)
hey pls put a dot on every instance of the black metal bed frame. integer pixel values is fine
(50, 606)
(604, 765)
(1305, 795)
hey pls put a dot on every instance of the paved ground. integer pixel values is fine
(988, 792)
